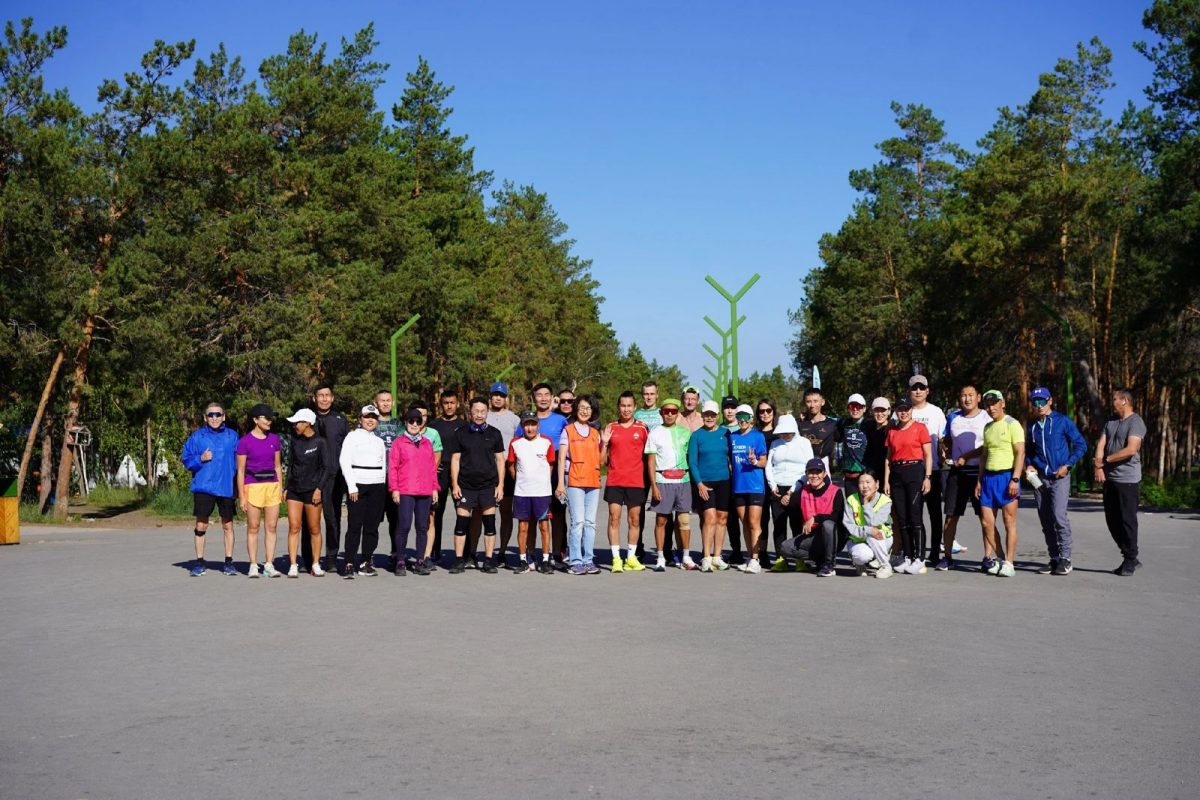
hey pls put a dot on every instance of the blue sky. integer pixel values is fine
(675, 139)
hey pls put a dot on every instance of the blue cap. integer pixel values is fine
(1040, 393)
(499, 388)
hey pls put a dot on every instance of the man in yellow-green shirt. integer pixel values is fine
(999, 484)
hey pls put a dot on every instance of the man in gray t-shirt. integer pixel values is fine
(1119, 468)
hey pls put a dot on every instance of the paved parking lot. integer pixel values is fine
(122, 677)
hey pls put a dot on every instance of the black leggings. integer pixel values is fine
(905, 484)
(785, 521)
(363, 521)
(820, 546)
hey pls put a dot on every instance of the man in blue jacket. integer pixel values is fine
(209, 453)
(1054, 445)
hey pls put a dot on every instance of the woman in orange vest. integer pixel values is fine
(579, 483)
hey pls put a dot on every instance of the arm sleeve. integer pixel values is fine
(512, 454)
(326, 470)
(345, 461)
(693, 459)
(191, 454)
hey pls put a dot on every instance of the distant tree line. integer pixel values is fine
(216, 237)
(1065, 226)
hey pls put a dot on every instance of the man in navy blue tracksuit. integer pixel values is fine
(1054, 445)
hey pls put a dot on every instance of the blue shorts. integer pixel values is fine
(531, 509)
(993, 491)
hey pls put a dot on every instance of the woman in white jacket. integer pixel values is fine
(364, 466)
(785, 467)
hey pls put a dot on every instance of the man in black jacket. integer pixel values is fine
(333, 428)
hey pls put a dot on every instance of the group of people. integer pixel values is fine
(813, 484)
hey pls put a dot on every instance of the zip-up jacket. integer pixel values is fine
(333, 429)
(412, 467)
(786, 462)
(859, 519)
(1055, 443)
(215, 477)
(828, 502)
(308, 464)
(363, 459)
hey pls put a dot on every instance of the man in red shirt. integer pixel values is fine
(623, 443)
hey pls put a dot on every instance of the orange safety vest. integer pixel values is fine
(584, 452)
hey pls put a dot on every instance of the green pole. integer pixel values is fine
(733, 324)
(392, 346)
(1065, 324)
(723, 361)
(505, 371)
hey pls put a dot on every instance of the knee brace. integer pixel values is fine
(461, 525)
(684, 522)
(489, 524)
(199, 532)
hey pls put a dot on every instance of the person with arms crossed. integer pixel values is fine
(1055, 446)
(1119, 468)
(210, 454)
(623, 450)
(907, 475)
(999, 484)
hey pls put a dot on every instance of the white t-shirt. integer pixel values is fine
(966, 434)
(935, 422)
(533, 458)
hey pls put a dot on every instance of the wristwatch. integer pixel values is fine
(1014, 479)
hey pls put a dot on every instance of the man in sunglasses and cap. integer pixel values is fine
(209, 454)
(1055, 446)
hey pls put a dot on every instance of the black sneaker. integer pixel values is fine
(459, 566)
(522, 567)
(472, 564)
(420, 569)
(348, 572)
(1126, 569)
(1049, 569)
(399, 570)
(368, 570)
(430, 564)
(546, 568)
(392, 561)
(1063, 567)
(488, 566)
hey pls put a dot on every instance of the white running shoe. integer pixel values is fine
(957, 548)
(269, 570)
(1007, 570)
(897, 562)
(316, 569)
(719, 564)
(253, 571)
(751, 567)
(706, 564)
(917, 567)
(884, 572)
(293, 571)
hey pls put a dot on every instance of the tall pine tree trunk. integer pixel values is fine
(62, 501)
(45, 484)
(48, 390)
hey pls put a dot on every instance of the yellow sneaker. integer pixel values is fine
(632, 564)
(779, 565)
(617, 565)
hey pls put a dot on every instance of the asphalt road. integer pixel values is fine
(121, 677)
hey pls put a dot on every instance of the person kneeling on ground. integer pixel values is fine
(868, 521)
(822, 507)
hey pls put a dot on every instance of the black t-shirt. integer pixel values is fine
(446, 429)
(876, 453)
(308, 465)
(822, 435)
(477, 451)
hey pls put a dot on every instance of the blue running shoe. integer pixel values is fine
(943, 565)
(198, 570)
(228, 569)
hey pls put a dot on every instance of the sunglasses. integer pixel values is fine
(670, 411)
(919, 387)
(215, 414)
(567, 401)
(765, 411)
(1039, 402)
(412, 422)
(744, 417)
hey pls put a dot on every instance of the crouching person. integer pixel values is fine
(822, 507)
(868, 522)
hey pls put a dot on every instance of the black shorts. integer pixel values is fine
(203, 504)
(483, 499)
(628, 496)
(302, 497)
(749, 499)
(960, 488)
(718, 496)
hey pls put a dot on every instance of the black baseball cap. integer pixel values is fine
(262, 410)
(729, 401)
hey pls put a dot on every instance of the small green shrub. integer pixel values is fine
(1178, 493)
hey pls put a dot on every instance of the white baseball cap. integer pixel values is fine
(710, 407)
(856, 398)
(304, 415)
(881, 402)
(744, 408)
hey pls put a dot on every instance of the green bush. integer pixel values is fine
(104, 496)
(172, 502)
(1178, 493)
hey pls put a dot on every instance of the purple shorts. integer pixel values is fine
(531, 509)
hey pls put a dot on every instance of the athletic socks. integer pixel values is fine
(616, 553)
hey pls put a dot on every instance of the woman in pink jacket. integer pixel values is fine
(412, 479)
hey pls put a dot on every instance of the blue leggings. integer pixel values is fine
(410, 505)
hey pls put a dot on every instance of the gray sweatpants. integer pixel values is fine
(1052, 511)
